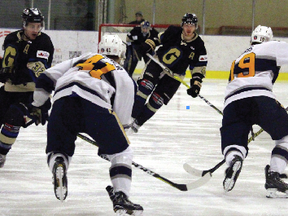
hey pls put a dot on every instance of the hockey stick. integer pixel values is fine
(171, 74)
(181, 187)
(202, 173)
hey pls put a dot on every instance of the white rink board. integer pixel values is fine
(222, 50)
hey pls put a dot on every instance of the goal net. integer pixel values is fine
(122, 29)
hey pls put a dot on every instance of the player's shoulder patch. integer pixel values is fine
(203, 58)
(42, 54)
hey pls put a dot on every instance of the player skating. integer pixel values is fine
(135, 38)
(249, 100)
(181, 47)
(93, 95)
(27, 53)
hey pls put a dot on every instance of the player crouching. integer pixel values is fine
(249, 100)
(93, 95)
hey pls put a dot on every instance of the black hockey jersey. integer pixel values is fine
(19, 52)
(137, 37)
(178, 54)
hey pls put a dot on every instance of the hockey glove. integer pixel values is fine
(5, 74)
(40, 114)
(147, 47)
(195, 85)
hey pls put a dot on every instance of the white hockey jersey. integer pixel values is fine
(254, 71)
(93, 77)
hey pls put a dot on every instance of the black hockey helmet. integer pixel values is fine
(32, 15)
(190, 18)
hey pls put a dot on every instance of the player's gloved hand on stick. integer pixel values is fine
(40, 114)
(147, 47)
(195, 85)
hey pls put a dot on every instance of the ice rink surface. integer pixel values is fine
(174, 135)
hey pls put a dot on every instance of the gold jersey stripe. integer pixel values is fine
(96, 67)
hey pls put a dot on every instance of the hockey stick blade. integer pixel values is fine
(201, 173)
(189, 169)
(181, 187)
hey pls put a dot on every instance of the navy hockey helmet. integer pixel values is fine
(145, 24)
(32, 15)
(190, 18)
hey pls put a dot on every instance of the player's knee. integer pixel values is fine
(282, 142)
(156, 101)
(124, 157)
(15, 115)
(13, 120)
(145, 87)
(281, 147)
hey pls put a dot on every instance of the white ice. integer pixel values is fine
(175, 135)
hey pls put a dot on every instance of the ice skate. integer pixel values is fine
(122, 205)
(232, 173)
(60, 179)
(2, 160)
(275, 186)
(135, 127)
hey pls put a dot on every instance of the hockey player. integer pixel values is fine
(249, 100)
(180, 47)
(93, 95)
(135, 38)
(27, 53)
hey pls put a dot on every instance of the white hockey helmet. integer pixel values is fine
(112, 45)
(261, 34)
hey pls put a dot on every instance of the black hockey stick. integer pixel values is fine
(171, 74)
(181, 187)
(202, 173)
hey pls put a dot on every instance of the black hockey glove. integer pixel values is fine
(195, 85)
(5, 74)
(40, 114)
(147, 47)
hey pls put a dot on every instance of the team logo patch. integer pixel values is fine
(42, 54)
(203, 58)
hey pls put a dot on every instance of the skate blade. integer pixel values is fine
(230, 182)
(137, 213)
(61, 190)
(123, 212)
(274, 193)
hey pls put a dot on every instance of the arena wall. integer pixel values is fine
(222, 50)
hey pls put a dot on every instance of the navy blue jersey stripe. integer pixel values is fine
(80, 86)
(120, 170)
(246, 89)
(281, 152)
